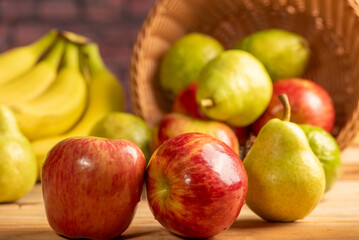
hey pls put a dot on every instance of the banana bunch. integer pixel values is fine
(18, 61)
(63, 91)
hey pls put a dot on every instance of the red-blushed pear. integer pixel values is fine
(185, 102)
(174, 124)
(311, 104)
(91, 186)
(196, 185)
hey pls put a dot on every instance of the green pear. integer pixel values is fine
(284, 54)
(234, 88)
(286, 181)
(184, 60)
(325, 147)
(18, 166)
(121, 125)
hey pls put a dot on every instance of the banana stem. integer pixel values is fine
(286, 106)
(74, 38)
(45, 42)
(207, 102)
(54, 56)
(95, 62)
(72, 58)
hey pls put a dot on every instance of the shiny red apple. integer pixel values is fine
(91, 186)
(185, 102)
(174, 124)
(196, 185)
(311, 104)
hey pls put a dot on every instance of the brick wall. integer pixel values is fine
(113, 24)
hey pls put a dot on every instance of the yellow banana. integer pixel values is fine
(34, 82)
(19, 60)
(60, 107)
(105, 95)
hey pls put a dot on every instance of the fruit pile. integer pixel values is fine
(196, 182)
(253, 94)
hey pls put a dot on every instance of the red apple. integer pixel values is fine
(310, 103)
(185, 102)
(91, 186)
(174, 124)
(242, 134)
(196, 185)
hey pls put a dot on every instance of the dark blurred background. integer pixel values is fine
(113, 24)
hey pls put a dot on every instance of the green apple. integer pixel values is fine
(327, 151)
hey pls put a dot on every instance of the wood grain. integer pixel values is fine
(336, 217)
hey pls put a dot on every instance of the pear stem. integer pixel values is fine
(286, 106)
(207, 102)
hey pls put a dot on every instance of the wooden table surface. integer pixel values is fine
(336, 217)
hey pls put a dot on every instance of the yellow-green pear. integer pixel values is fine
(117, 125)
(286, 181)
(234, 88)
(18, 168)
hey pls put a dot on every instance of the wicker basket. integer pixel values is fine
(331, 27)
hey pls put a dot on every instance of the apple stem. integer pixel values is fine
(207, 102)
(286, 106)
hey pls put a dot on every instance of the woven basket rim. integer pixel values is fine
(345, 136)
(135, 56)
